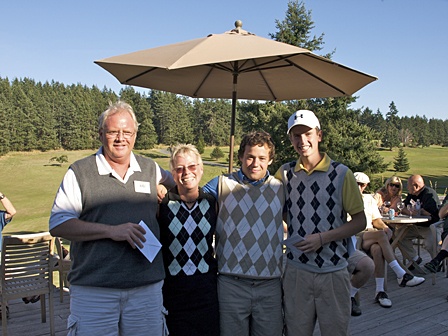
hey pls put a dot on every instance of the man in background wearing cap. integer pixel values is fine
(319, 194)
(376, 240)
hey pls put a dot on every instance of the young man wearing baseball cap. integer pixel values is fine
(319, 194)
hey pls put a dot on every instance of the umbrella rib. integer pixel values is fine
(221, 66)
(138, 75)
(317, 77)
(257, 66)
(266, 82)
(202, 82)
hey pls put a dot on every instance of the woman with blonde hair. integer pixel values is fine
(390, 192)
(187, 218)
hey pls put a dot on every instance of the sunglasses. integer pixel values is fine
(394, 185)
(192, 168)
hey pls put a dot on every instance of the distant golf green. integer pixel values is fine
(31, 179)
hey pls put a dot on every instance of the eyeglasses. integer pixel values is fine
(394, 185)
(192, 168)
(114, 134)
(361, 184)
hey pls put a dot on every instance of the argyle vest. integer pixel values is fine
(314, 204)
(249, 229)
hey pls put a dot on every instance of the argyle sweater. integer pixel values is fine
(314, 204)
(187, 235)
(249, 229)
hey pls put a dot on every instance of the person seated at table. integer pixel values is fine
(390, 192)
(434, 264)
(430, 203)
(375, 240)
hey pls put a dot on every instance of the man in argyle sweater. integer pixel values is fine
(319, 194)
(249, 232)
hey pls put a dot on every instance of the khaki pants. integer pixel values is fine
(249, 306)
(316, 296)
(406, 245)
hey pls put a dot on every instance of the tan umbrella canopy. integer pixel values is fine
(236, 65)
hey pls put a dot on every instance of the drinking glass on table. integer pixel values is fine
(409, 207)
(400, 207)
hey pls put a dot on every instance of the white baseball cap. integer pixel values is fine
(361, 178)
(303, 117)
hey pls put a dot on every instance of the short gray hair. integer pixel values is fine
(115, 108)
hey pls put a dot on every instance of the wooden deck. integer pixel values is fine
(25, 319)
(417, 310)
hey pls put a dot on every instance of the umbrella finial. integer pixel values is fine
(239, 29)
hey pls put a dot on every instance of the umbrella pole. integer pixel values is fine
(232, 122)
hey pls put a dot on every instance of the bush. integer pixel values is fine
(217, 153)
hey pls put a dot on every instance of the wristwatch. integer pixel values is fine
(2, 196)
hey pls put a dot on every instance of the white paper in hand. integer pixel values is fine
(151, 246)
(289, 243)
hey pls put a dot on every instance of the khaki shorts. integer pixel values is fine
(353, 260)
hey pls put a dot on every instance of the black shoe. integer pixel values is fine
(356, 309)
(418, 261)
(432, 266)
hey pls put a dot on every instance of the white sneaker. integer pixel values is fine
(410, 280)
(383, 300)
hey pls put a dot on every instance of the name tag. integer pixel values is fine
(142, 187)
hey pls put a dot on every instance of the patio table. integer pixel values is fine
(403, 224)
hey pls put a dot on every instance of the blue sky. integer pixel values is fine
(402, 42)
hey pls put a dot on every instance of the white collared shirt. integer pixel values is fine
(68, 201)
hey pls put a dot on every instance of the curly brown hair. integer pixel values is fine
(257, 138)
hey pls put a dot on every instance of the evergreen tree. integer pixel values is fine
(146, 136)
(341, 126)
(216, 153)
(5, 115)
(391, 137)
(401, 163)
(200, 144)
(296, 28)
(422, 133)
(171, 118)
(392, 115)
(211, 118)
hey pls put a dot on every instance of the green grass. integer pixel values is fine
(431, 163)
(30, 180)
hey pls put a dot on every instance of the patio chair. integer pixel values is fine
(436, 229)
(26, 271)
(62, 266)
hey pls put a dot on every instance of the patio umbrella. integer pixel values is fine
(236, 65)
